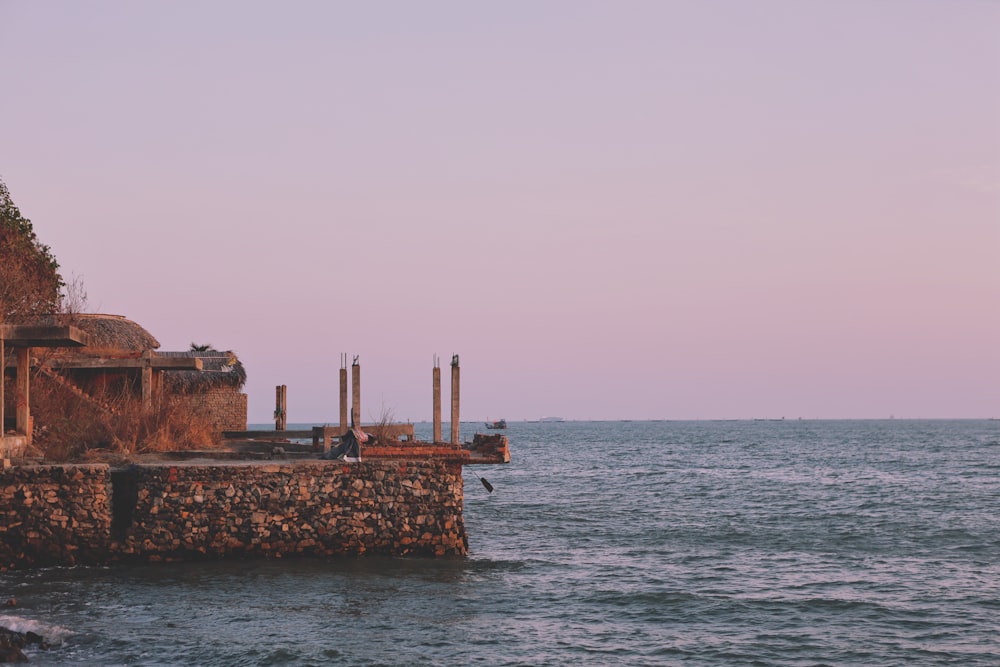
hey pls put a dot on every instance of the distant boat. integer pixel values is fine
(551, 419)
(499, 424)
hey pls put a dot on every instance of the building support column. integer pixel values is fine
(436, 388)
(280, 407)
(356, 393)
(147, 380)
(343, 394)
(23, 392)
(455, 439)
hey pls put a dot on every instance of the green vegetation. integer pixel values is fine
(30, 282)
(71, 424)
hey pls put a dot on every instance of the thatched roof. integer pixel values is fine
(114, 332)
(117, 336)
(106, 332)
(219, 369)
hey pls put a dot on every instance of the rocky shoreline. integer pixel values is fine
(11, 643)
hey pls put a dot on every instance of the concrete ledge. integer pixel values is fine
(13, 446)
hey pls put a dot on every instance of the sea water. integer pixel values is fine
(638, 543)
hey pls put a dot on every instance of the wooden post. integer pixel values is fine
(343, 398)
(147, 380)
(437, 400)
(23, 393)
(3, 375)
(356, 392)
(454, 401)
(280, 407)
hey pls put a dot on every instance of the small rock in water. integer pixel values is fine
(10, 646)
(12, 654)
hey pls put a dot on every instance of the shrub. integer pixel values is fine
(114, 423)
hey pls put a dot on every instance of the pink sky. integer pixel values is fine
(664, 210)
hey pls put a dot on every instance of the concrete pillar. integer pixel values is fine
(356, 392)
(23, 393)
(344, 422)
(437, 402)
(280, 407)
(454, 401)
(147, 380)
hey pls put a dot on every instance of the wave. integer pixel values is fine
(53, 634)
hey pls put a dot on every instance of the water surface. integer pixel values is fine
(640, 543)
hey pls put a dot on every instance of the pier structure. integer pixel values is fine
(403, 497)
(391, 440)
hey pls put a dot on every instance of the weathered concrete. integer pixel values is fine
(455, 400)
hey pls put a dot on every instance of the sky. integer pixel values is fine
(676, 209)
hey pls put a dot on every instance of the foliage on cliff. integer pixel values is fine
(30, 282)
(69, 424)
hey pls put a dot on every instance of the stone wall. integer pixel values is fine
(225, 408)
(54, 515)
(90, 514)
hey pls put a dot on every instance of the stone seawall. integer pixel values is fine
(64, 515)
(54, 515)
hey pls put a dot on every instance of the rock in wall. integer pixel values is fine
(54, 515)
(320, 508)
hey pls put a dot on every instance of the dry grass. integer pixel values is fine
(71, 428)
(381, 423)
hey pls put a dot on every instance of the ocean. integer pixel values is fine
(793, 543)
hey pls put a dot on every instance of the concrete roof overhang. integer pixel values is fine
(29, 335)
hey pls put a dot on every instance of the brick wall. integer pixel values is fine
(225, 408)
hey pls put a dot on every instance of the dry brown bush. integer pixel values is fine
(71, 428)
(380, 426)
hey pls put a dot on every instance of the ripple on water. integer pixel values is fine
(729, 543)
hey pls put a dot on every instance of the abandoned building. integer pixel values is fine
(120, 359)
